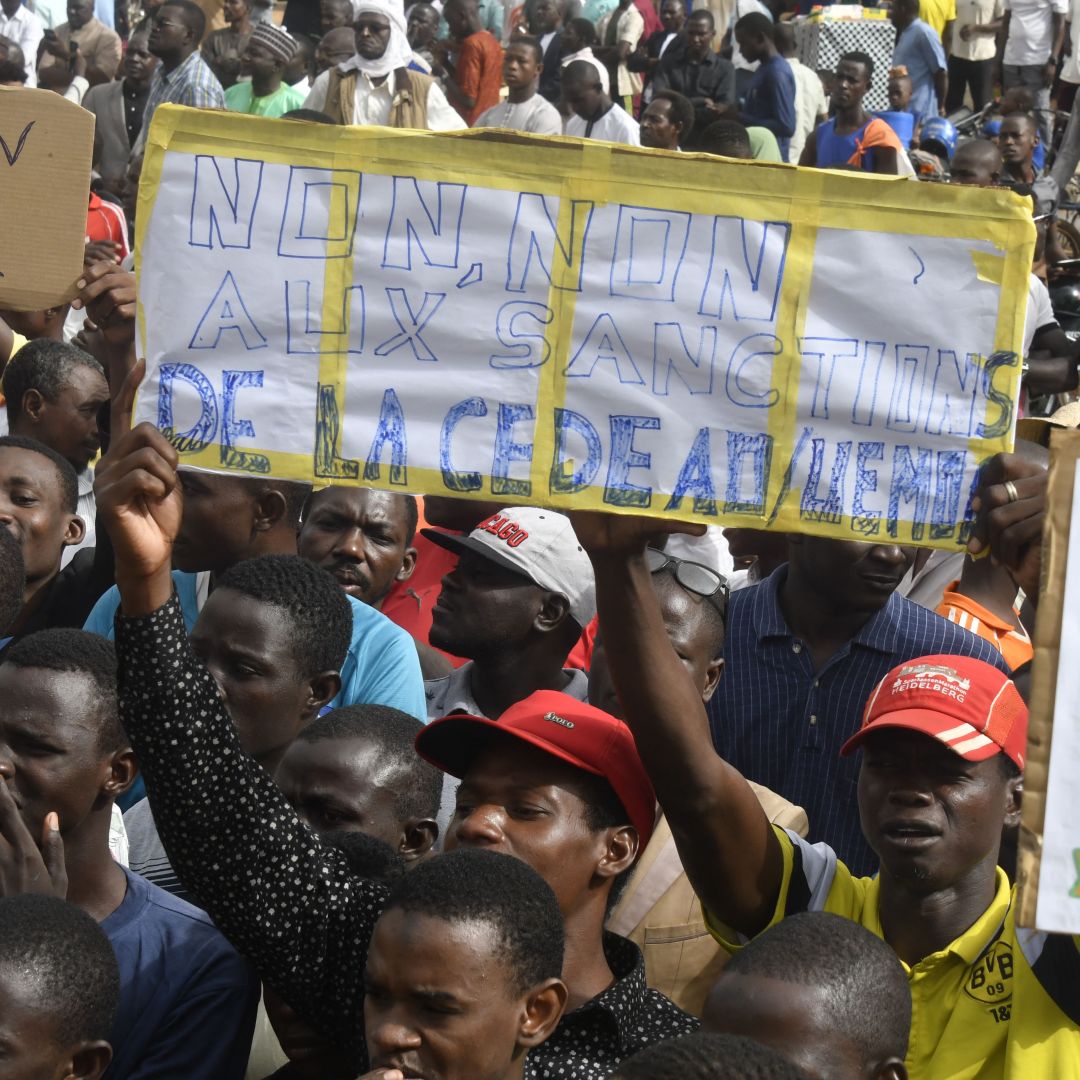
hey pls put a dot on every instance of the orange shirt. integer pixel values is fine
(479, 73)
(1011, 641)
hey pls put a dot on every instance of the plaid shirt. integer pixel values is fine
(192, 83)
(781, 723)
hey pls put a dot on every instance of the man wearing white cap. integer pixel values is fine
(514, 605)
(378, 86)
(268, 50)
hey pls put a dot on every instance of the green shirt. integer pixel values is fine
(763, 142)
(241, 98)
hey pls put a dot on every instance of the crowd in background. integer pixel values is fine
(322, 783)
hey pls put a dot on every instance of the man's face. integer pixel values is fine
(218, 522)
(850, 84)
(931, 816)
(752, 46)
(247, 647)
(974, 169)
(70, 423)
(520, 67)
(31, 1037)
(139, 63)
(1017, 140)
(544, 18)
(359, 536)
(520, 801)
(32, 509)
(372, 33)
(334, 13)
(335, 48)
(657, 128)
(457, 19)
(168, 35)
(234, 10)
(672, 15)
(51, 756)
(794, 1020)
(79, 13)
(343, 785)
(423, 25)
(699, 35)
(690, 637)
(483, 609)
(571, 43)
(902, 13)
(899, 93)
(259, 62)
(863, 576)
(439, 1000)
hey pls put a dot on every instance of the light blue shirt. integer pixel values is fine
(919, 50)
(381, 668)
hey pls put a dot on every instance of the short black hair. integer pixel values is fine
(191, 15)
(11, 72)
(585, 29)
(311, 600)
(757, 23)
(61, 953)
(868, 992)
(700, 15)
(368, 856)
(705, 1055)
(469, 885)
(604, 810)
(532, 43)
(682, 110)
(855, 56)
(12, 579)
(79, 652)
(65, 471)
(394, 733)
(727, 138)
(44, 365)
(295, 493)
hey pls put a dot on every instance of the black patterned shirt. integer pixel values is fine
(287, 901)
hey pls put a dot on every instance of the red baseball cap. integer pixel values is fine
(967, 704)
(583, 736)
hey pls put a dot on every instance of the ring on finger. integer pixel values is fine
(1010, 490)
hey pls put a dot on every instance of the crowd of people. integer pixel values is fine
(326, 783)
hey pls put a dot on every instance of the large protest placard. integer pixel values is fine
(1048, 865)
(46, 147)
(577, 324)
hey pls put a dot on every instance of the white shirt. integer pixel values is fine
(975, 13)
(616, 125)
(26, 30)
(809, 105)
(536, 116)
(1040, 312)
(1070, 72)
(372, 103)
(1031, 27)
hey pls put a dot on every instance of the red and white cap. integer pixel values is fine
(538, 544)
(967, 704)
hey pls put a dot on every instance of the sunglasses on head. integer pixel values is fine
(692, 576)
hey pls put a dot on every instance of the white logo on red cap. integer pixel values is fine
(554, 718)
(935, 677)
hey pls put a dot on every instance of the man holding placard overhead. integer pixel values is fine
(378, 85)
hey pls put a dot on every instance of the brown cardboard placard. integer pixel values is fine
(1064, 452)
(46, 154)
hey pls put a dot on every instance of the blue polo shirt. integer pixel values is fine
(781, 723)
(918, 48)
(187, 997)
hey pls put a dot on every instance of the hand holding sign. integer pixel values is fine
(46, 144)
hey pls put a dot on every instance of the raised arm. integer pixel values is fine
(286, 901)
(730, 852)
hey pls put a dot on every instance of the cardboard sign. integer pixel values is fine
(46, 151)
(1048, 863)
(574, 324)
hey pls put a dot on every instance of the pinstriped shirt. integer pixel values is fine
(191, 83)
(781, 723)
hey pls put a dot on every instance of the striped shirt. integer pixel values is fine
(192, 83)
(781, 723)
